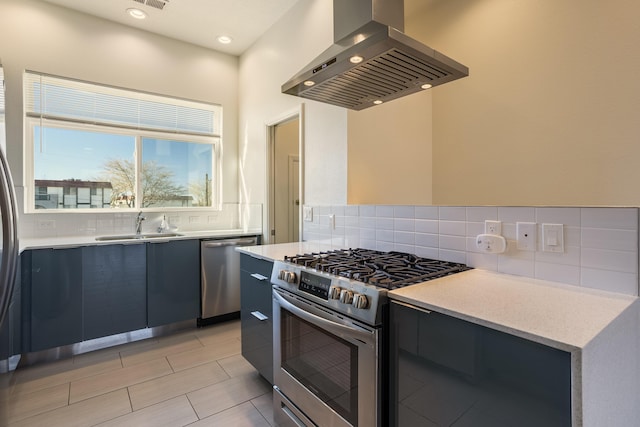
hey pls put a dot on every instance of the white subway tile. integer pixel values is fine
(572, 236)
(404, 237)
(566, 216)
(431, 253)
(351, 241)
(517, 266)
(603, 238)
(613, 281)
(453, 213)
(455, 228)
(483, 261)
(605, 259)
(404, 224)
(426, 212)
(426, 226)
(323, 210)
(452, 256)
(385, 246)
(624, 218)
(367, 222)
(570, 256)
(384, 235)
(367, 210)
(428, 240)
(384, 223)
(458, 243)
(404, 212)
(367, 234)
(569, 274)
(351, 210)
(482, 213)
(338, 241)
(384, 211)
(409, 249)
(516, 214)
(475, 228)
(337, 210)
(368, 243)
(351, 221)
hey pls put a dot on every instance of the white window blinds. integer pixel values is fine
(57, 98)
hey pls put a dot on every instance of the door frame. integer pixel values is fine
(296, 113)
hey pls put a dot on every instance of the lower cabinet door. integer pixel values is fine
(173, 282)
(56, 297)
(114, 289)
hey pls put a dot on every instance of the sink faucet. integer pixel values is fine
(139, 220)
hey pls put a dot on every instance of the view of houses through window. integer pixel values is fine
(83, 159)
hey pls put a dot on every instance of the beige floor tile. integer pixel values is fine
(226, 394)
(169, 386)
(25, 405)
(243, 415)
(175, 412)
(162, 348)
(86, 413)
(264, 404)
(39, 377)
(236, 365)
(211, 335)
(123, 377)
(202, 355)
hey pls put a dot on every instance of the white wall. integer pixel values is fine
(304, 32)
(38, 36)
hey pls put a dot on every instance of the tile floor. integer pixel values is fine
(195, 378)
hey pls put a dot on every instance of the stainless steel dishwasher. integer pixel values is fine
(220, 286)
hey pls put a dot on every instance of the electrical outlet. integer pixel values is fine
(493, 227)
(491, 244)
(307, 213)
(526, 236)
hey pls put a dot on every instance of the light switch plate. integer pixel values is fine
(307, 213)
(553, 238)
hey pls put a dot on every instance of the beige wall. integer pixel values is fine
(38, 36)
(389, 153)
(548, 115)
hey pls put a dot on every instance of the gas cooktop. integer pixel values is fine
(389, 270)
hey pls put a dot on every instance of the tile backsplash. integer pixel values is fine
(600, 244)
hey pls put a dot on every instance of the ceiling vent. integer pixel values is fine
(158, 4)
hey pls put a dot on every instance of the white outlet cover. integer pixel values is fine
(307, 213)
(493, 227)
(553, 238)
(526, 236)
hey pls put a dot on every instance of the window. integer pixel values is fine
(98, 147)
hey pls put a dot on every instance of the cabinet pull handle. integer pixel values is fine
(404, 304)
(259, 276)
(261, 317)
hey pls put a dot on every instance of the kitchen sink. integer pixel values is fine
(137, 236)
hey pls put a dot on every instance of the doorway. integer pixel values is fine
(285, 189)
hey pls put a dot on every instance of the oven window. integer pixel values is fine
(325, 364)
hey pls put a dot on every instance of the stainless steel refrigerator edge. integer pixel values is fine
(220, 288)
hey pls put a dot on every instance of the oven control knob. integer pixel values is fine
(334, 292)
(346, 296)
(287, 276)
(360, 301)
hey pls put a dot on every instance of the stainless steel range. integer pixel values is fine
(329, 311)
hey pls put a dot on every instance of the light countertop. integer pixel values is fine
(561, 316)
(76, 241)
(278, 251)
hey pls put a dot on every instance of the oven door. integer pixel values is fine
(326, 365)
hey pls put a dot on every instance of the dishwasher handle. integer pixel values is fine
(234, 242)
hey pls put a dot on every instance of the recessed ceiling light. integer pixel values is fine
(356, 59)
(224, 39)
(309, 83)
(426, 86)
(136, 13)
(377, 101)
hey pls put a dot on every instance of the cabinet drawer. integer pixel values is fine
(256, 265)
(257, 341)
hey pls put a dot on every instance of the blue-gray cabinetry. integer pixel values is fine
(256, 314)
(173, 281)
(52, 295)
(446, 371)
(114, 297)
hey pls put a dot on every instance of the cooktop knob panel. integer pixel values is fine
(334, 292)
(287, 276)
(360, 301)
(346, 296)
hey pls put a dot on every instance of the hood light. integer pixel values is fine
(136, 13)
(224, 39)
(426, 86)
(356, 59)
(378, 101)
(309, 83)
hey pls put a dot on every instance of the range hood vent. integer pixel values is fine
(392, 64)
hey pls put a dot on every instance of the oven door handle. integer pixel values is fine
(344, 331)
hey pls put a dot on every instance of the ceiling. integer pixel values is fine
(199, 22)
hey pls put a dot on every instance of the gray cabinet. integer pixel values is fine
(53, 289)
(256, 314)
(446, 371)
(173, 282)
(114, 297)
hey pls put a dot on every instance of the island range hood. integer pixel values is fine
(371, 61)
